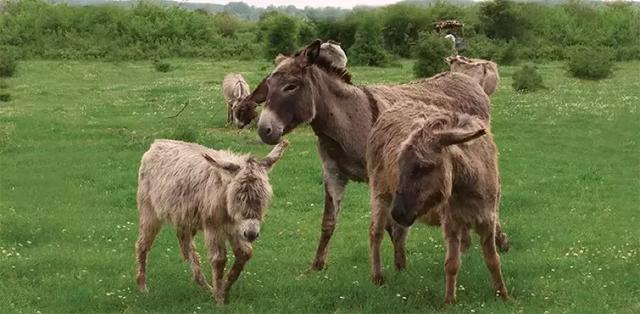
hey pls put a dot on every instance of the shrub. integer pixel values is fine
(368, 47)
(509, 54)
(5, 97)
(8, 64)
(527, 79)
(280, 34)
(591, 63)
(3, 84)
(161, 66)
(430, 52)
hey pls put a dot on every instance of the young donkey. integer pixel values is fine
(435, 165)
(196, 188)
(484, 72)
(234, 88)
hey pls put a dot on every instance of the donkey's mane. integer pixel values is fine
(327, 66)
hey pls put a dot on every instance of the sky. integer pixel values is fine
(303, 3)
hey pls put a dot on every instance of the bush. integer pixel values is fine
(161, 66)
(280, 34)
(509, 54)
(3, 84)
(430, 52)
(591, 63)
(527, 79)
(368, 47)
(5, 97)
(8, 64)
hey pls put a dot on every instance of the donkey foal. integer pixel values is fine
(196, 188)
(234, 89)
(440, 167)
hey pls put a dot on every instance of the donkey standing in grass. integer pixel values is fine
(196, 188)
(440, 167)
(482, 71)
(307, 88)
(234, 89)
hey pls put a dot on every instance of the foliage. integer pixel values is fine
(280, 33)
(5, 97)
(500, 30)
(368, 47)
(527, 79)
(591, 63)
(161, 66)
(501, 19)
(430, 54)
(8, 64)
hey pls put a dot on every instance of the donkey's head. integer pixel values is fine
(479, 70)
(249, 192)
(425, 172)
(290, 91)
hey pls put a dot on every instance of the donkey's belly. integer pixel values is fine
(350, 164)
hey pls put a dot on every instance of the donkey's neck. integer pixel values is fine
(344, 114)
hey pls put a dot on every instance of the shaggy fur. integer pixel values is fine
(196, 188)
(302, 89)
(482, 71)
(234, 88)
(441, 167)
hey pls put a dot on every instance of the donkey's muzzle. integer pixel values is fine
(400, 214)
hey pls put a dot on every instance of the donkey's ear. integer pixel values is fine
(312, 51)
(220, 164)
(458, 136)
(279, 58)
(259, 95)
(275, 154)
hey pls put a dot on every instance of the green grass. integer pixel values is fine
(72, 136)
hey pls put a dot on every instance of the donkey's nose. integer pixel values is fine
(251, 235)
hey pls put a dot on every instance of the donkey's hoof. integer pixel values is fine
(317, 265)
(143, 288)
(377, 279)
(219, 298)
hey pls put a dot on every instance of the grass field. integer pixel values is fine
(72, 136)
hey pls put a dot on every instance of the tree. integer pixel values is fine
(430, 52)
(280, 35)
(368, 48)
(502, 20)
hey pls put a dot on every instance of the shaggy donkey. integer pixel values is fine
(234, 88)
(435, 165)
(307, 88)
(196, 188)
(483, 72)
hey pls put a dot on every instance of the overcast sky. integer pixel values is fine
(304, 3)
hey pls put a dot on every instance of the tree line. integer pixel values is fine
(501, 30)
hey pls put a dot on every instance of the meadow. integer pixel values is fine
(73, 133)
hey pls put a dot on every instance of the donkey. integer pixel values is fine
(234, 89)
(482, 71)
(196, 188)
(305, 88)
(440, 167)
(332, 54)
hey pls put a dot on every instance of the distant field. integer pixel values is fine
(72, 136)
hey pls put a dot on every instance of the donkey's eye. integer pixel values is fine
(289, 88)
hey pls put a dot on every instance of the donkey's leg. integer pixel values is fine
(465, 240)
(147, 232)
(379, 216)
(334, 187)
(501, 239)
(452, 233)
(487, 234)
(217, 254)
(242, 250)
(188, 248)
(398, 236)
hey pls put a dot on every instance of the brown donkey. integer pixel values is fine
(440, 167)
(309, 88)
